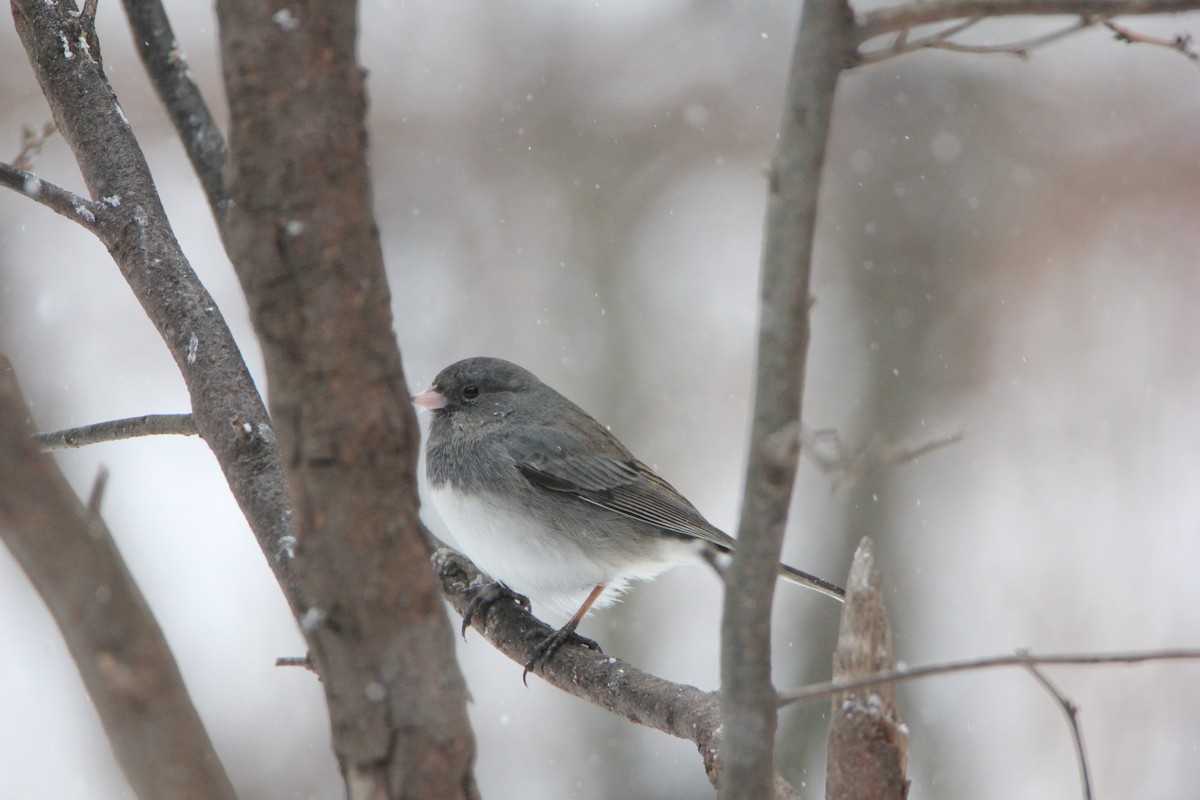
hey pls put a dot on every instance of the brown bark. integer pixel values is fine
(306, 244)
(868, 742)
(122, 656)
(301, 233)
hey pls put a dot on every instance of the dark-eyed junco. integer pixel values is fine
(547, 502)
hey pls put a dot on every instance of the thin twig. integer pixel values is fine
(1072, 712)
(114, 430)
(903, 45)
(1181, 43)
(96, 497)
(903, 452)
(1020, 49)
(293, 661)
(32, 142)
(820, 691)
(304, 661)
(827, 452)
(56, 198)
(905, 16)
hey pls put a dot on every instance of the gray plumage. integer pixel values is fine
(543, 498)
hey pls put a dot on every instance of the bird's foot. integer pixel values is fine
(486, 597)
(551, 644)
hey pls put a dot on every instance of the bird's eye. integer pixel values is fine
(470, 392)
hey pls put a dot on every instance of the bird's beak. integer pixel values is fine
(430, 400)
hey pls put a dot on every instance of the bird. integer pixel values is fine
(547, 501)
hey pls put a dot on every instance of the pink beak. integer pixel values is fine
(430, 399)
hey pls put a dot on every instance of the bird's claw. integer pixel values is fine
(486, 597)
(546, 649)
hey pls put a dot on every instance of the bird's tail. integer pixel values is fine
(718, 557)
(802, 578)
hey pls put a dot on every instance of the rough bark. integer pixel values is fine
(301, 234)
(868, 742)
(673, 708)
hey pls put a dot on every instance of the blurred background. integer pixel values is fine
(1006, 248)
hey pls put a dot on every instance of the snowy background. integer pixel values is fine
(1006, 248)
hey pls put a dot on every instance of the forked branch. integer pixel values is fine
(1071, 711)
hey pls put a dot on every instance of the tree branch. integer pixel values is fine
(168, 69)
(824, 47)
(1182, 43)
(116, 644)
(822, 691)
(676, 709)
(941, 41)
(228, 411)
(909, 15)
(827, 452)
(62, 201)
(1072, 713)
(904, 45)
(117, 429)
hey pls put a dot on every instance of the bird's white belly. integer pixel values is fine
(548, 566)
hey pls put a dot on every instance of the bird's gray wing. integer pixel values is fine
(605, 475)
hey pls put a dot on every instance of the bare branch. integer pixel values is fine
(676, 709)
(941, 41)
(910, 15)
(1072, 713)
(168, 69)
(903, 45)
(96, 497)
(1022, 48)
(117, 429)
(830, 455)
(118, 648)
(56, 198)
(824, 48)
(294, 661)
(868, 743)
(821, 691)
(1182, 43)
(682, 711)
(32, 142)
(228, 411)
